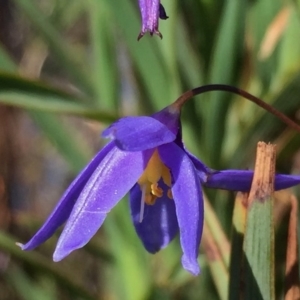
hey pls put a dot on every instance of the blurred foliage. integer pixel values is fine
(69, 68)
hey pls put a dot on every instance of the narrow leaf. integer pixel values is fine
(27, 94)
(216, 264)
(259, 236)
(224, 68)
(217, 233)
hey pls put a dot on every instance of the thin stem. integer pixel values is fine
(231, 89)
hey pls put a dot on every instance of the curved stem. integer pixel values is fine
(231, 89)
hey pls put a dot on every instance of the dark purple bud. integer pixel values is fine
(162, 13)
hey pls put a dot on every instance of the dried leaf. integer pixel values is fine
(292, 288)
(273, 34)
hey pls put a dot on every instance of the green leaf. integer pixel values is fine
(104, 68)
(26, 94)
(259, 251)
(218, 250)
(224, 69)
(259, 265)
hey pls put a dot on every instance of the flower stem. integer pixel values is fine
(231, 89)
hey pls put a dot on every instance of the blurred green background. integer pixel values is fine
(69, 68)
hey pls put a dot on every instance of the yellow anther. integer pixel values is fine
(150, 199)
(166, 176)
(154, 171)
(169, 194)
(156, 190)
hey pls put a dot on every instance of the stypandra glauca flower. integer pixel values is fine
(151, 12)
(146, 158)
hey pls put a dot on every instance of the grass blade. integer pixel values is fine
(229, 45)
(259, 236)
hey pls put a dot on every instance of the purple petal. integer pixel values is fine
(110, 182)
(162, 13)
(283, 181)
(64, 207)
(239, 180)
(201, 168)
(231, 180)
(138, 133)
(170, 117)
(150, 12)
(159, 223)
(188, 199)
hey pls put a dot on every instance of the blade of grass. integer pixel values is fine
(224, 69)
(191, 69)
(52, 104)
(217, 233)
(19, 92)
(104, 55)
(259, 234)
(261, 16)
(289, 51)
(216, 264)
(170, 29)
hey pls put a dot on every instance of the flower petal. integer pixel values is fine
(239, 180)
(150, 12)
(64, 207)
(110, 182)
(138, 133)
(188, 199)
(159, 223)
(201, 168)
(283, 181)
(162, 13)
(231, 180)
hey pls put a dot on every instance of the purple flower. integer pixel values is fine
(240, 180)
(151, 11)
(147, 158)
(165, 193)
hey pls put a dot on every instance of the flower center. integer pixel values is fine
(148, 182)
